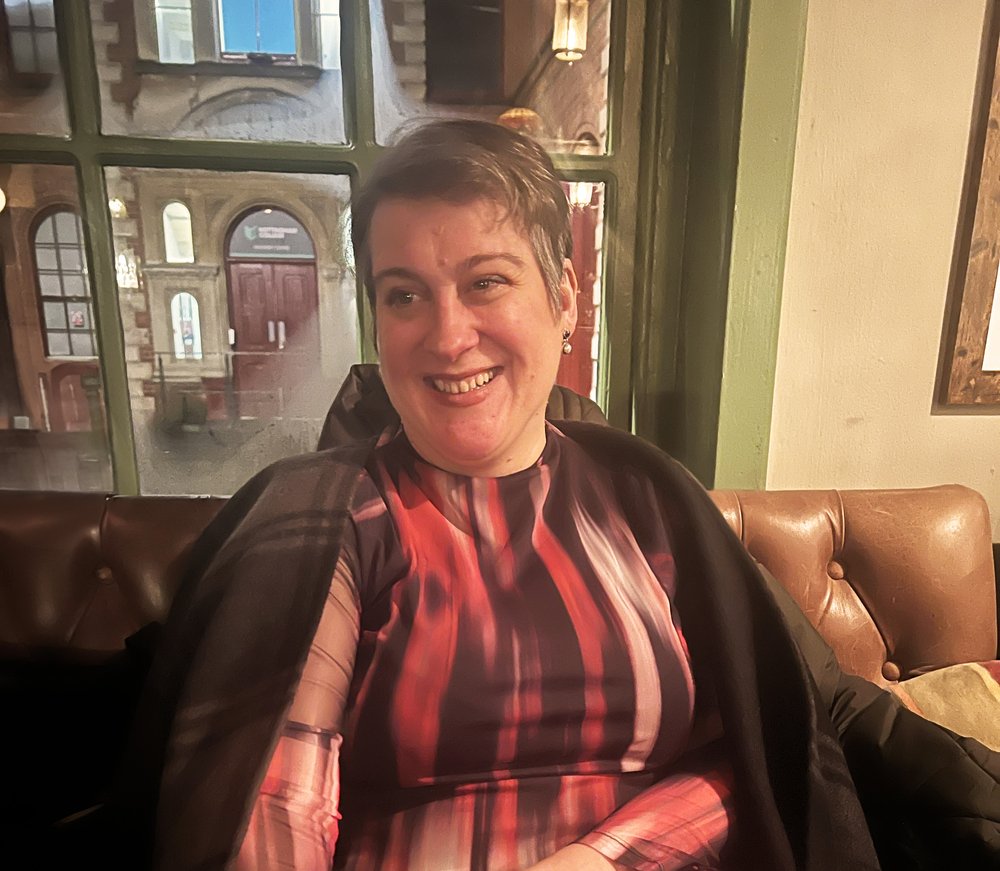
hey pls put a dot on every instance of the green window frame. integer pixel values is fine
(90, 151)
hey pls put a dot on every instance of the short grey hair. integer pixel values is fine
(460, 161)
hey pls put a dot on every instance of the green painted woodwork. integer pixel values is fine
(674, 143)
(775, 45)
(90, 151)
(82, 96)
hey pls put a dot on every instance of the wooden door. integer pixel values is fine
(273, 310)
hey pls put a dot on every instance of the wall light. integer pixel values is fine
(116, 205)
(569, 30)
(581, 194)
(3, 200)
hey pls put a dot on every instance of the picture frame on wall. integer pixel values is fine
(969, 370)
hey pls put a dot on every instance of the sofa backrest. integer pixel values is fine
(897, 581)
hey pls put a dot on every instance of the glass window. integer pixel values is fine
(62, 283)
(175, 39)
(31, 28)
(178, 246)
(234, 356)
(53, 431)
(326, 24)
(249, 70)
(494, 60)
(257, 27)
(32, 97)
(186, 327)
(579, 369)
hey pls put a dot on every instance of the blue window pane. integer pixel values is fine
(277, 26)
(239, 25)
(258, 25)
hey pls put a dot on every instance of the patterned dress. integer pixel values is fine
(499, 671)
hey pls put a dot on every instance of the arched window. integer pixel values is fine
(187, 327)
(63, 286)
(178, 245)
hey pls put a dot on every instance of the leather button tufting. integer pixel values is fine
(835, 570)
(105, 575)
(890, 671)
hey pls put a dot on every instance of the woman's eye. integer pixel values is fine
(400, 298)
(488, 282)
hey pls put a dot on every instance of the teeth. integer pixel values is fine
(466, 384)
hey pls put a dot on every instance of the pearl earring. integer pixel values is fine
(567, 348)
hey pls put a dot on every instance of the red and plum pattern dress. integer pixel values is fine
(498, 672)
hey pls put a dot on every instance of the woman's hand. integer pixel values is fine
(575, 857)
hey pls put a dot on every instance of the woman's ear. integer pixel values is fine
(568, 290)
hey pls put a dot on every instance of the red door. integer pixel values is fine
(273, 309)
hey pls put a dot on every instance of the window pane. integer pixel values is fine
(69, 258)
(328, 26)
(232, 360)
(79, 316)
(66, 227)
(58, 344)
(177, 241)
(146, 90)
(46, 258)
(186, 326)
(489, 59)
(44, 234)
(47, 49)
(53, 431)
(55, 315)
(239, 25)
(81, 344)
(18, 13)
(22, 47)
(43, 13)
(32, 95)
(579, 369)
(175, 38)
(73, 285)
(277, 26)
(50, 285)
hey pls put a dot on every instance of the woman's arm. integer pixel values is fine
(294, 822)
(576, 857)
(680, 821)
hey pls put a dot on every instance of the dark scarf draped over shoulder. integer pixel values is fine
(234, 647)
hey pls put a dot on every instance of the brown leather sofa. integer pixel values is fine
(897, 581)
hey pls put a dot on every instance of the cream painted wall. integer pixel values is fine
(886, 102)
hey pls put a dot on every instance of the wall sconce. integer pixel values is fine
(569, 31)
(581, 194)
(116, 205)
(3, 200)
(522, 120)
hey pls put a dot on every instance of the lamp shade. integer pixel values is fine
(569, 30)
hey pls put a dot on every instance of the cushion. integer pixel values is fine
(964, 698)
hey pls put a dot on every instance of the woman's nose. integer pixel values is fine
(452, 330)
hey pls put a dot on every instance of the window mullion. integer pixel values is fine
(359, 88)
(359, 107)
(84, 103)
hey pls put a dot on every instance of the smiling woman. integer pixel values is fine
(469, 342)
(466, 637)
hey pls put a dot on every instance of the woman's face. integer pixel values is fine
(469, 342)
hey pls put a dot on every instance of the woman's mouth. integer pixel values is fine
(464, 385)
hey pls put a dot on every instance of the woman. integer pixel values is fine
(541, 646)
